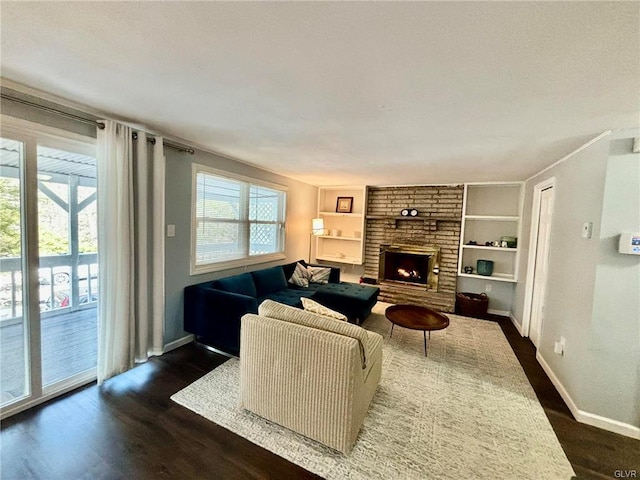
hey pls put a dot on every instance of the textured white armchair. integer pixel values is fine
(309, 373)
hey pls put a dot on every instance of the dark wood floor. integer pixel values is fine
(594, 453)
(128, 428)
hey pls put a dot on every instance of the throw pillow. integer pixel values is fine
(300, 276)
(314, 307)
(319, 274)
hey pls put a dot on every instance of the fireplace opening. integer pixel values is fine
(410, 264)
(406, 267)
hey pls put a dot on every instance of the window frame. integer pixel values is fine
(247, 258)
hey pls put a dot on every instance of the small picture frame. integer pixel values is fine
(344, 205)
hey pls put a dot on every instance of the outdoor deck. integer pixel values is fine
(69, 346)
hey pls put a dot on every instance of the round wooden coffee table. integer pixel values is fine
(416, 318)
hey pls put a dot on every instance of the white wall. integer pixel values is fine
(592, 294)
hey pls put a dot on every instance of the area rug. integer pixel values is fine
(465, 411)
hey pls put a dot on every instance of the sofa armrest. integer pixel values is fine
(215, 316)
(308, 380)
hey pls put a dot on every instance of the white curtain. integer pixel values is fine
(130, 249)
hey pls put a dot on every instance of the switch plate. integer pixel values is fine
(557, 348)
(171, 230)
(488, 287)
(587, 229)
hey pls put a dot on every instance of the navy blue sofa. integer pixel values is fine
(212, 310)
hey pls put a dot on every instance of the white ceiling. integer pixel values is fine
(345, 93)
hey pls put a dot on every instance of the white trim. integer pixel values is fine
(516, 324)
(79, 381)
(586, 417)
(243, 261)
(502, 313)
(80, 143)
(179, 343)
(198, 167)
(568, 156)
(533, 246)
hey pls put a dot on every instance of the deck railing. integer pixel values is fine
(63, 285)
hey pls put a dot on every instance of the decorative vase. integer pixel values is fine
(484, 267)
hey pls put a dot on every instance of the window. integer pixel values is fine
(236, 220)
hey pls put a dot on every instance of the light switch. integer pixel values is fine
(587, 229)
(171, 230)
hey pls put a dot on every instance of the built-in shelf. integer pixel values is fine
(495, 218)
(498, 277)
(352, 239)
(484, 247)
(339, 259)
(343, 240)
(335, 214)
(420, 219)
(491, 211)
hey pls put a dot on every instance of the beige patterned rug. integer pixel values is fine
(466, 411)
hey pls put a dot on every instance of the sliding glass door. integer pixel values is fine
(48, 267)
(14, 334)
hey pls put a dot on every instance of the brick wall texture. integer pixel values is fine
(438, 223)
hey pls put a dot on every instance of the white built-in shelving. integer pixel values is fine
(343, 238)
(490, 211)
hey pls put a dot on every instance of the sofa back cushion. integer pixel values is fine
(242, 284)
(276, 310)
(269, 280)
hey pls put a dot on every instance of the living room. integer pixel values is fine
(449, 96)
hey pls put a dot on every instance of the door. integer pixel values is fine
(48, 267)
(541, 264)
(15, 372)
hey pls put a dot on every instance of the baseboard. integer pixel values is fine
(518, 326)
(585, 417)
(179, 343)
(502, 313)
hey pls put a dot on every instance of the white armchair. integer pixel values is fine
(311, 374)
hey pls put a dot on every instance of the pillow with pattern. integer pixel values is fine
(301, 276)
(319, 274)
(314, 307)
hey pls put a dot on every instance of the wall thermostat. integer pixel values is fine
(629, 243)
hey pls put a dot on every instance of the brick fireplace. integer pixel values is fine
(434, 232)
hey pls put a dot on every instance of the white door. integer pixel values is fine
(542, 262)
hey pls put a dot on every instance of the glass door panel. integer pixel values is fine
(67, 226)
(14, 344)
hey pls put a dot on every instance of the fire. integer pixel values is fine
(408, 273)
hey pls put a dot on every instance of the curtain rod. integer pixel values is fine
(190, 151)
(87, 121)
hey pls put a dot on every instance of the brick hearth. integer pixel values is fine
(438, 223)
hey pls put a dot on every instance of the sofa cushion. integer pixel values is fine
(289, 296)
(314, 307)
(269, 280)
(319, 274)
(300, 276)
(286, 313)
(242, 284)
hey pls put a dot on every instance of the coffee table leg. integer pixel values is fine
(424, 334)
(392, 325)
